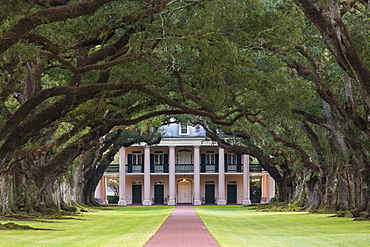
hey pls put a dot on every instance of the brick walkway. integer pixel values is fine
(182, 228)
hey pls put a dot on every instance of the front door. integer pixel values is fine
(231, 193)
(210, 193)
(184, 192)
(136, 193)
(159, 193)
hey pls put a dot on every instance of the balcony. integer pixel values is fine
(184, 168)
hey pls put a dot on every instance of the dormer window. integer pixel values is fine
(184, 130)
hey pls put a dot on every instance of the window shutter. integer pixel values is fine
(129, 167)
(202, 158)
(151, 163)
(239, 158)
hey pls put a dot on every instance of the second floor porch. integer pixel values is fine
(184, 168)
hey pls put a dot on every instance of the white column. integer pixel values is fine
(103, 191)
(98, 191)
(197, 200)
(221, 177)
(246, 184)
(171, 179)
(271, 189)
(122, 177)
(264, 188)
(147, 200)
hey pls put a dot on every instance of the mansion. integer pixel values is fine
(186, 167)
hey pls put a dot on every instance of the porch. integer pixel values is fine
(185, 168)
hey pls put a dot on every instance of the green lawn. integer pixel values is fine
(231, 226)
(123, 226)
(239, 226)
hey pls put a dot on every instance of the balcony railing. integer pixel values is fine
(210, 168)
(255, 168)
(184, 168)
(135, 168)
(112, 168)
(233, 167)
(159, 168)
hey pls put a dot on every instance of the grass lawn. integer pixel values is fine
(122, 226)
(242, 226)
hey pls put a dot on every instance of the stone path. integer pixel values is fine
(182, 228)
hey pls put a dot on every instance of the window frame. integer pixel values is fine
(183, 127)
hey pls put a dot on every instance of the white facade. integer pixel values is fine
(185, 168)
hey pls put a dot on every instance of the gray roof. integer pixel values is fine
(173, 130)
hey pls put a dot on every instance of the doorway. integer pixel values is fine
(136, 193)
(255, 184)
(231, 193)
(159, 193)
(184, 191)
(210, 193)
(184, 156)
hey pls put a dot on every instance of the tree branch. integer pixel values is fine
(45, 16)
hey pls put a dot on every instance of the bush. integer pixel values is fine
(113, 199)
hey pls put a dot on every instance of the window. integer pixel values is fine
(159, 159)
(231, 159)
(136, 159)
(210, 159)
(183, 129)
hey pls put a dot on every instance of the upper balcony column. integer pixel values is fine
(122, 177)
(246, 184)
(171, 178)
(221, 177)
(197, 200)
(147, 201)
